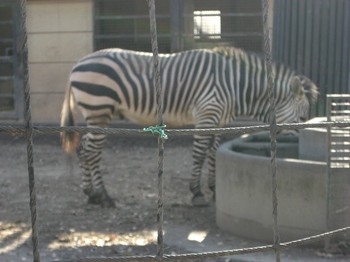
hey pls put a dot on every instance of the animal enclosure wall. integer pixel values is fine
(313, 37)
(59, 33)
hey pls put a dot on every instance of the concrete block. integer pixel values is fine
(46, 108)
(60, 16)
(49, 77)
(244, 195)
(59, 47)
(313, 142)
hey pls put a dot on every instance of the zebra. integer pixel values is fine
(204, 88)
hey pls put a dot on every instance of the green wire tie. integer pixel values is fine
(157, 130)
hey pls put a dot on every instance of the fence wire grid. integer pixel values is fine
(28, 130)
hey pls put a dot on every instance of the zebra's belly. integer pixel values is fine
(170, 120)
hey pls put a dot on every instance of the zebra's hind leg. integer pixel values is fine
(89, 152)
(84, 169)
(200, 146)
(214, 145)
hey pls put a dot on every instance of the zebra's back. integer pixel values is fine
(120, 82)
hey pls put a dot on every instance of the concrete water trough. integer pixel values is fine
(243, 186)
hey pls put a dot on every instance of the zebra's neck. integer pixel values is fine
(249, 86)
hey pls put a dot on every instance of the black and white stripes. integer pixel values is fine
(206, 88)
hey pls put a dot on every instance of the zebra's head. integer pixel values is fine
(303, 93)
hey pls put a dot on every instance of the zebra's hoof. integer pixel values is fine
(104, 201)
(89, 192)
(108, 203)
(94, 200)
(199, 201)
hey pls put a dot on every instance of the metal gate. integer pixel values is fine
(11, 86)
(338, 162)
(313, 37)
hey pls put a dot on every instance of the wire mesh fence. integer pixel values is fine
(29, 130)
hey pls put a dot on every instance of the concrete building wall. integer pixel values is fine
(59, 33)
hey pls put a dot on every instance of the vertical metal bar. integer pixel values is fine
(29, 131)
(323, 55)
(345, 79)
(152, 15)
(308, 46)
(94, 14)
(315, 43)
(331, 49)
(287, 33)
(273, 126)
(329, 108)
(16, 90)
(276, 36)
(18, 80)
(308, 38)
(293, 51)
(284, 32)
(175, 23)
(338, 47)
(299, 66)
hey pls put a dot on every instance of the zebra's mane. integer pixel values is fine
(239, 54)
(310, 89)
(234, 52)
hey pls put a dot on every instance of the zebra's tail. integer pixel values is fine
(69, 140)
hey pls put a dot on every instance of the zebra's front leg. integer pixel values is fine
(89, 152)
(214, 145)
(200, 146)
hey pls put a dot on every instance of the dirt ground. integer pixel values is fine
(70, 228)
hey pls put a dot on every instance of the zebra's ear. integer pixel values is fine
(297, 88)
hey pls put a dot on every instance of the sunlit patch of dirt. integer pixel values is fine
(12, 235)
(81, 239)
